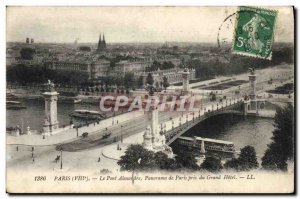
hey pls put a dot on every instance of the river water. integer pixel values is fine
(240, 130)
(237, 129)
(34, 114)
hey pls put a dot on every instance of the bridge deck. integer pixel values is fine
(174, 133)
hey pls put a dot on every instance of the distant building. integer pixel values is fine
(173, 76)
(100, 68)
(92, 69)
(139, 67)
(101, 44)
(136, 67)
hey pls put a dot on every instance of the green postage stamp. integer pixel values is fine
(254, 32)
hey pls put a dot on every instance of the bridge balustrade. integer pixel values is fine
(176, 130)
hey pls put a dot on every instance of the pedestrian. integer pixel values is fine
(17, 148)
(117, 121)
(32, 154)
(32, 148)
(32, 160)
(99, 159)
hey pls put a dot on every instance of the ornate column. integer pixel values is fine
(185, 81)
(51, 122)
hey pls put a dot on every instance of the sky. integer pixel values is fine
(130, 24)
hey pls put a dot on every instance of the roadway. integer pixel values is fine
(128, 128)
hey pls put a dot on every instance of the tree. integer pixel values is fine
(150, 79)
(165, 82)
(164, 162)
(232, 164)
(140, 81)
(154, 66)
(281, 148)
(246, 161)
(212, 164)
(247, 158)
(166, 65)
(129, 80)
(137, 158)
(186, 160)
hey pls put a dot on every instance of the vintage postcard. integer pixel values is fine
(150, 100)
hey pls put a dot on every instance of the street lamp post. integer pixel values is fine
(121, 133)
(61, 159)
(172, 124)
(186, 119)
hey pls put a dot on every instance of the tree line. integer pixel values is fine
(39, 74)
(129, 81)
(24, 75)
(138, 158)
(239, 64)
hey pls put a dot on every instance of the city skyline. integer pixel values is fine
(128, 24)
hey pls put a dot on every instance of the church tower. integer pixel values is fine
(103, 42)
(99, 44)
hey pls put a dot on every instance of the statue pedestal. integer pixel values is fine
(49, 129)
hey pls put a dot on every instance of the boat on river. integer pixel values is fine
(86, 115)
(207, 144)
(69, 100)
(14, 105)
